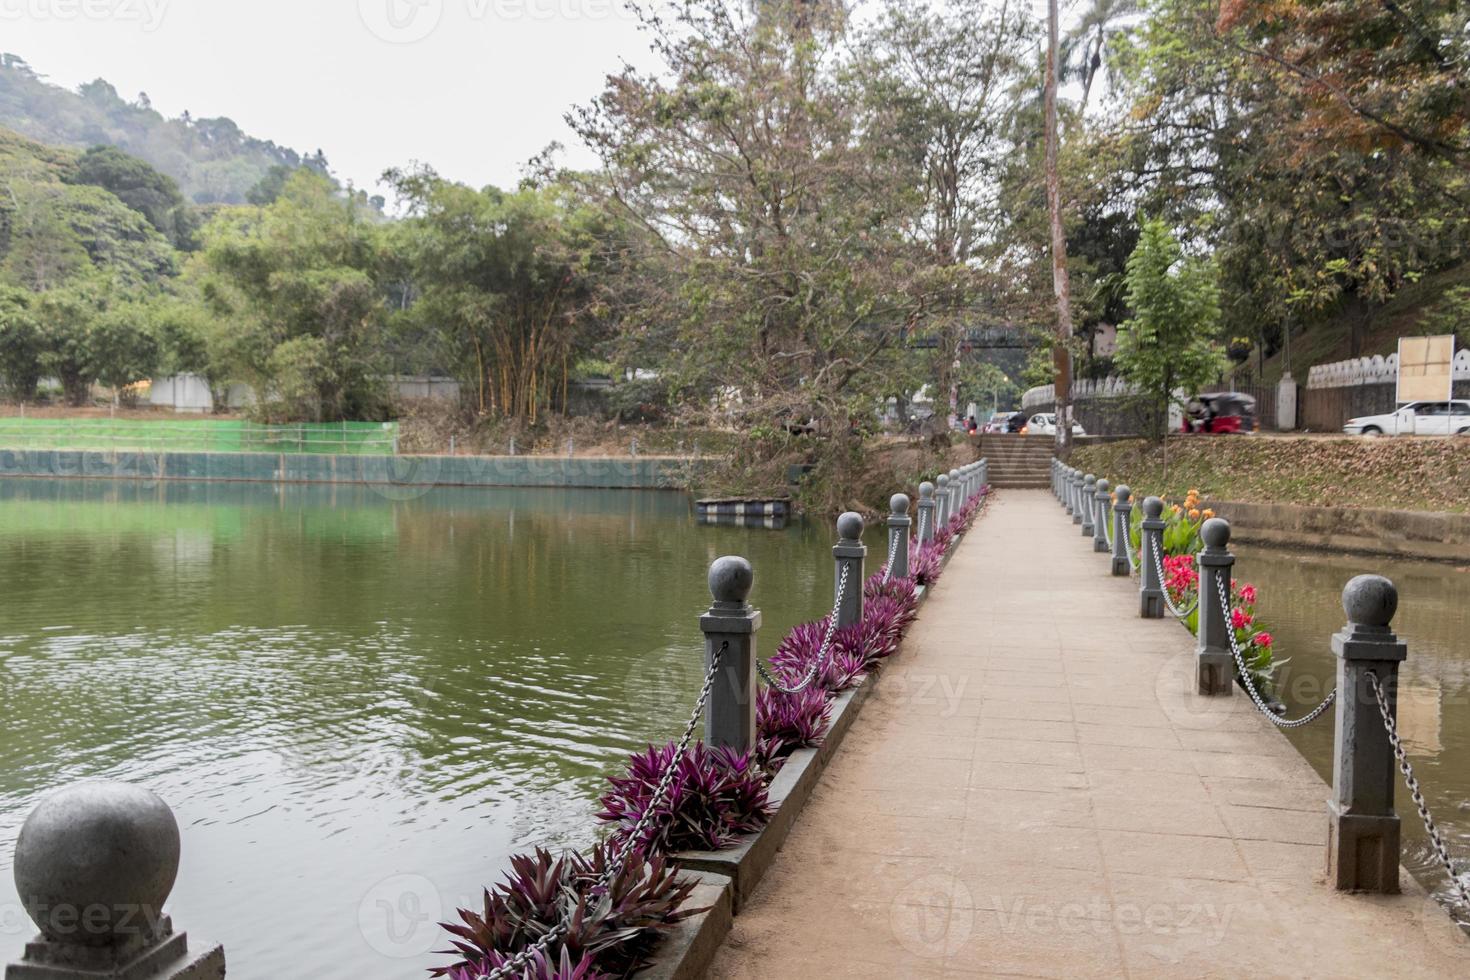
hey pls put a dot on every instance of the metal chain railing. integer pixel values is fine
(1156, 550)
(1435, 838)
(893, 533)
(1245, 677)
(820, 660)
(923, 518)
(522, 959)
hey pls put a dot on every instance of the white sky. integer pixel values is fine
(471, 87)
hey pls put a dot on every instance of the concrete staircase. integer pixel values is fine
(1017, 461)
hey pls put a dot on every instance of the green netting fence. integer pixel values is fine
(203, 435)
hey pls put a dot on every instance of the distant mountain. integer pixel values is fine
(212, 160)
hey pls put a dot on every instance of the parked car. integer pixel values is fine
(998, 422)
(1416, 419)
(1228, 411)
(1045, 424)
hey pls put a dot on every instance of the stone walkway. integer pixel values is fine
(1034, 791)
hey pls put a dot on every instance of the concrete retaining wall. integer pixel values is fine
(1397, 533)
(642, 472)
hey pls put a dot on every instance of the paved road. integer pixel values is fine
(1035, 791)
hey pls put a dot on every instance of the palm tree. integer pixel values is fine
(1083, 48)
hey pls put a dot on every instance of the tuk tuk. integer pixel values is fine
(1230, 411)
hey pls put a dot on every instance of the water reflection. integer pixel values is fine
(339, 692)
(1300, 597)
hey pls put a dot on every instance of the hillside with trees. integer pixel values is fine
(211, 159)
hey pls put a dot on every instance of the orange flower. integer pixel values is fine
(1177, 508)
(1193, 514)
(1209, 513)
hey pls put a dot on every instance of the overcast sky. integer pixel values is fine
(471, 87)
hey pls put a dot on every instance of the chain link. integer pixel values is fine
(1245, 676)
(604, 881)
(893, 533)
(1156, 550)
(1435, 837)
(820, 661)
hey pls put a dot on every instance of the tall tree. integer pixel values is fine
(507, 286)
(298, 283)
(769, 219)
(1166, 346)
(1061, 284)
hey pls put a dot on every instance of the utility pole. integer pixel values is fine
(1061, 285)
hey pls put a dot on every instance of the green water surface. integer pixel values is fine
(357, 706)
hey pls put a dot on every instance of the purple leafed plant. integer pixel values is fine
(884, 621)
(608, 935)
(898, 588)
(794, 655)
(925, 563)
(787, 722)
(715, 796)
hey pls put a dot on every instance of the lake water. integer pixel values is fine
(357, 706)
(1301, 601)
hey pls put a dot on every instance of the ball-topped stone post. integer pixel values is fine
(956, 491)
(941, 499)
(927, 518)
(1151, 559)
(94, 864)
(1089, 503)
(1102, 499)
(1214, 663)
(848, 555)
(1073, 479)
(1363, 830)
(730, 626)
(899, 522)
(1122, 518)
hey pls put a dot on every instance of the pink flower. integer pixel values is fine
(1248, 595)
(1240, 620)
(1263, 639)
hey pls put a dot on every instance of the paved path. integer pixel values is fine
(1034, 791)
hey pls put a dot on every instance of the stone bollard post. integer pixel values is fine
(1077, 476)
(941, 500)
(1214, 663)
(984, 472)
(1151, 534)
(956, 492)
(1122, 514)
(729, 720)
(94, 865)
(1362, 828)
(899, 522)
(1056, 490)
(926, 512)
(848, 554)
(1089, 503)
(1101, 503)
(1069, 485)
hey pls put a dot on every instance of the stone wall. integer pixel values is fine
(642, 472)
(1399, 533)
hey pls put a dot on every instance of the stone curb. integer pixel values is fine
(687, 949)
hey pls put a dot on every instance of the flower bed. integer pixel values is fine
(1181, 579)
(714, 799)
